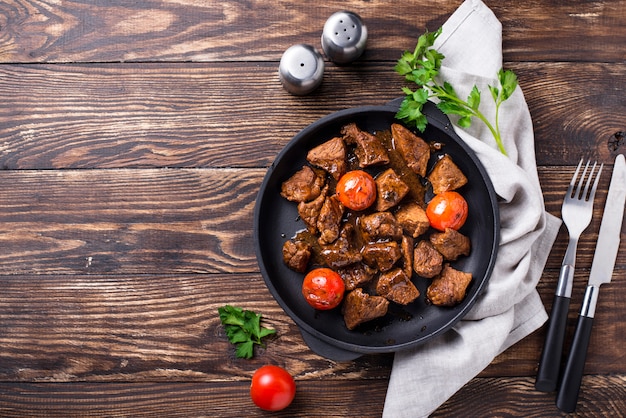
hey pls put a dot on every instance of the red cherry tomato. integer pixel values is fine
(272, 388)
(447, 210)
(356, 190)
(323, 288)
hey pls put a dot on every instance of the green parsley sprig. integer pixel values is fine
(422, 67)
(243, 329)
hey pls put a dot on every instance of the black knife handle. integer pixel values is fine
(550, 361)
(567, 397)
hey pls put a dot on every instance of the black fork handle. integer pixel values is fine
(550, 362)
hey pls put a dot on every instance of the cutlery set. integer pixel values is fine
(576, 213)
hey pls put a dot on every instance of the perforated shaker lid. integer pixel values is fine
(344, 37)
(301, 69)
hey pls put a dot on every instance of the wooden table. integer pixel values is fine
(134, 137)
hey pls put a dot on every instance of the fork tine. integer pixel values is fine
(572, 183)
(579, 195)
(584, 195)
(595, 183)
(581, 181)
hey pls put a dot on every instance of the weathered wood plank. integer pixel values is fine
(601, 396)
(162, 328)
(195, 115)
(182, 30)
(141, 221)
(147, 328)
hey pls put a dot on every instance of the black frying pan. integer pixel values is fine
(276, 220)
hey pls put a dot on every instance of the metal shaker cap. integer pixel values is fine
(301, 69)
(344, 37)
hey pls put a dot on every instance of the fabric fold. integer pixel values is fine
(510, 308)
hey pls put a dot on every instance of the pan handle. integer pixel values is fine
(327, 350)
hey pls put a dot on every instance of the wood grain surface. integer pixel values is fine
(134, 137)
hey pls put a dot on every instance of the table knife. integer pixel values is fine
(601, 272)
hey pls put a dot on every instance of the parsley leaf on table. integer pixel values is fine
(422, 68)
(243, 329)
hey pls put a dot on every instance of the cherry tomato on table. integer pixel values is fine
(447, 210)
(356, 190)
(323, 288)
(272, 388)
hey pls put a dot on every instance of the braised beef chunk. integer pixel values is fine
(342, 252)
(407, 255)
(427, 261)
(451, 243)
(359, 307)
(413, 220)
(413, 149)
(356, 275)
(369, 150)
(449, 288)
(379, 225)
(381, 255)
(331, 156)
(390, 190)
(397, 287)
(329, 220)
(310, 211)
(446, 175)
(305, 185)
(296, 255)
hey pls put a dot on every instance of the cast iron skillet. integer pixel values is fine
(276, 220)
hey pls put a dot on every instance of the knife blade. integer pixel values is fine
(601, 272)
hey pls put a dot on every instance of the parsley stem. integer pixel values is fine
(496, 134)
(440, 92)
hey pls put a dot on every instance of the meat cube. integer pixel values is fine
(427, 261)
(449, 288)
(329, 220)
(310, 211)
(450, 243)
(381, 255)
(342, 252)
(359, 307)
(413, 220)
(296, 255)
(407, 255)
(369, 150)
(446, 175)
(390, 190)
(397, 287)
(356, 275)
(380, 225)
(413, 149)
(305, 185)
(331, 156)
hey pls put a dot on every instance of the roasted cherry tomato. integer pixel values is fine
(323, 288)
(356, 190)
(447, 210)
(272, 388)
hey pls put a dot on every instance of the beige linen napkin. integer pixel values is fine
(425, 377)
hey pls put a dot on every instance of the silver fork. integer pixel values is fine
(576, 213)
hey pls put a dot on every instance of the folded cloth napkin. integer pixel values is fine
(425, 377)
